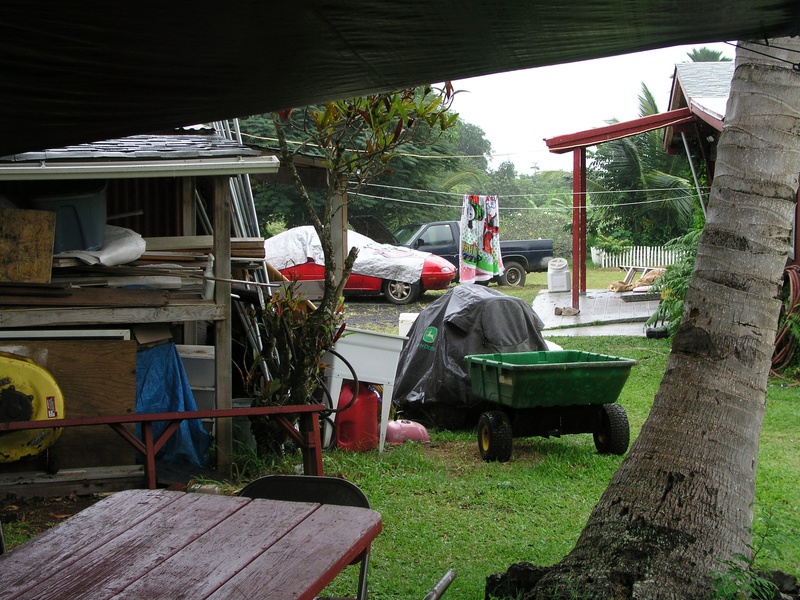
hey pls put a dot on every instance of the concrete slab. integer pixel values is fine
(602, 312)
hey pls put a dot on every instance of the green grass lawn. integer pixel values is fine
(444, 508)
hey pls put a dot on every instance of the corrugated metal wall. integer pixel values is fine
(157, 200)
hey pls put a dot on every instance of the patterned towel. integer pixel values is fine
(480, 258)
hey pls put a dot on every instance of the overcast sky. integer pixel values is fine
(518, 110)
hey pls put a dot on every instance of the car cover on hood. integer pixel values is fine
(432, 378)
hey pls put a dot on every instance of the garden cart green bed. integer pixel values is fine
(549, 393)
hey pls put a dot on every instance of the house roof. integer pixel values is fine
(139, 156)
(702, 81)
(703, 88)
(83, 71)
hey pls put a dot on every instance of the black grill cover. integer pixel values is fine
(432, 378)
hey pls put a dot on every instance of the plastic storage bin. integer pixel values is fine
(558, 275)
(80, 215)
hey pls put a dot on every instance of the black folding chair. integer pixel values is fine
(318, 489)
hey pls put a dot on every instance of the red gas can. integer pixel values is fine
(357, 427)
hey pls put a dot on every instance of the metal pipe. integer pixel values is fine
(694, 173)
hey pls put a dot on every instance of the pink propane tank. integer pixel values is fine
(357, 427)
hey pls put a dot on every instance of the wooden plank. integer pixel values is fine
(61, 546)
(197, 571)
(186, 310)
(198, 242)
(135, 550)
(89, 296)
(26, 245)
(223, 329)
(310, 555)
(33, 289)
(97, 378)
(71, 482)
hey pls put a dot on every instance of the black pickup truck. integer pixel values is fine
(443, 238)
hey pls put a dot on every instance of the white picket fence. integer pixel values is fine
(640, 256)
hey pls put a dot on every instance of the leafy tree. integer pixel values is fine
(639, 188)
(356, 139)
(421, 164)
(472, 143)
(707, 55)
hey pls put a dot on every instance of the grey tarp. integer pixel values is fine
(432, 379)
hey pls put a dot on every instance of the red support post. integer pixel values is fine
(578, 225)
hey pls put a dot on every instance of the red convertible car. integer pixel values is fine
(400, 274)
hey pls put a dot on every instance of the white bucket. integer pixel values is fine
(558, 277)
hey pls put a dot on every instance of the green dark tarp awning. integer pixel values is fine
(73, 72)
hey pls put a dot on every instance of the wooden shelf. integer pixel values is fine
(185, 310)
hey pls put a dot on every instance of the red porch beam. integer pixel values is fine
(591, 137)
(578, 226)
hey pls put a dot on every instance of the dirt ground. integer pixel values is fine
(32, 516)
(378, 314)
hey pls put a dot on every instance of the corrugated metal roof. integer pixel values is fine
(140, 156)
(705, 79)
(138, 147)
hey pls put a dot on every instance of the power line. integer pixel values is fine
(516, 208)
(534, 195)
(795, 65)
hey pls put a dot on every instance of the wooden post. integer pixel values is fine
(222, 328)
(188, 227)
(578, 225)
(339, 230)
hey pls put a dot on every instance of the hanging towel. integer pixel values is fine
(480, 258)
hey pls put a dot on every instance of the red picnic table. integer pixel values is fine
(307, 437)
(166, 544)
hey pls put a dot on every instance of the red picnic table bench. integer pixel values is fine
(307, 437)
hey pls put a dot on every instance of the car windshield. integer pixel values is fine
(404, 234)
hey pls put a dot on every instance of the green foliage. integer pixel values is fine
(705, 54)
(355, 139)
(426, 141)
(636, 186)
(674, 283)
(739, 579)
(738, 582)
(617, 241)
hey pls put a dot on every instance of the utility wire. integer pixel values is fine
(795, 65)
(535, 195)
(516, 208)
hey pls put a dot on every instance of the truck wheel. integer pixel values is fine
(513, 274)
(614, 433)
(494, 436)
(398, 292)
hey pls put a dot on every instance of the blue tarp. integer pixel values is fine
(162, 386)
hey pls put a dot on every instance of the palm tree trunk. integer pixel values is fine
(683, 497)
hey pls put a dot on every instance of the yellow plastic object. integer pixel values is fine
(27, 392)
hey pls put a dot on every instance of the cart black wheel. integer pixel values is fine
(513, 274)
(615, 432)
(494, 436)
